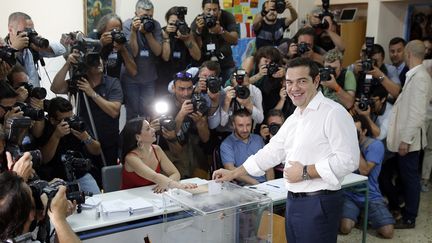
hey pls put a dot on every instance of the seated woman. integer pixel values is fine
(145, 163)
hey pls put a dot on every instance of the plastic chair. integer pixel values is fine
(111, 178)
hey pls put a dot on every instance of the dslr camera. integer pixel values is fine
(118, 36)
(199, 104)
(324, 24)
(280, 6)
(213, 84)
(365, 92)
(210, 21)
(75, 123)
(18, 129)
(274, 128)
(168, 122)
(325, 73)
(35, 38)
(32, 113)
(7, 54)
(368, 63)
(241, 91)
(148, 23)
(272, 68)
(182, 27)
(181, 12)
(302, 48)
(35, 92)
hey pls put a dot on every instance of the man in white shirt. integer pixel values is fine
(318, 145)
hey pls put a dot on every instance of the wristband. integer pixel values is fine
(222, 31)
(89, 140)
(337, 89)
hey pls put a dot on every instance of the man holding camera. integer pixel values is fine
(241, 144)
(269, 29)
(30, 45)
(63, 133)
(145, 38)
(338, 83)
(215, 31)
(407, 132)
(305, 45)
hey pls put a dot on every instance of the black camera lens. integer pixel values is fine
(325, 73)
(199, 104)
(32, 113)
(213, 84)
(242, 92)
(280, 6)
(210, 21)
(274, 128)
(75, 123)
(302, 48)
(148, 23)
(272, 68)
(35, 38)
(118, 36)
(7, 54)
(182, 27)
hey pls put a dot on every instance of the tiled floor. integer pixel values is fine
(422, 233)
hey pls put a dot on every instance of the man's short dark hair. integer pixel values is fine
(58, 104)
(305, 31)
(397, 40)
(6, 90)
(212, 66)
(275, 112)
(17, 68)
(379, 91)
(364, 124)
(15, 205)
(378, 49)
(241, 113)
(304, 62)
(13, 17)
(268, 52)
(204, 2)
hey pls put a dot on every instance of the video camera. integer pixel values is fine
(199, 104)
(325, 73)
(35, 38)
(272, 68)
(324, 24)
(213, 84)
(7, 54)
(368, 63)
(118, 36)
(17, 129)
(148, 23)
(242, 92)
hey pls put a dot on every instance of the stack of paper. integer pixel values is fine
(125, 207)
(139, 205)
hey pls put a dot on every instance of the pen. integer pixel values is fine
(272, 185)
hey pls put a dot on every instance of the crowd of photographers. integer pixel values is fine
(210, 111)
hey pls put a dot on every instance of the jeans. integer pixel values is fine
(409, 172)
(138, 99)
(88, 184)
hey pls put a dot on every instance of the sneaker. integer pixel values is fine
(424, 187)
(404, 224)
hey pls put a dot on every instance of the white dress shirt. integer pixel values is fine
(323, 134)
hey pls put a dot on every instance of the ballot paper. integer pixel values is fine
(214, 188)
(125, 207)
(91, 202)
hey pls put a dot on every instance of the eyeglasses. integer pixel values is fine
(183, 76)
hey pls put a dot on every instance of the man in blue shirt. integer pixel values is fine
(241, 144)
(371, 156)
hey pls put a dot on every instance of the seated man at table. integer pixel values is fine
(371, 156)
(241, 144)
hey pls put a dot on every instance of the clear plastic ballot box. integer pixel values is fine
(226, 214)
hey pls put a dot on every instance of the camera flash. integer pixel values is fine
(161, 107)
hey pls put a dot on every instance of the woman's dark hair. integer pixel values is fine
(172, 11)
(14, 205)
(132, 128)
(268, 52)
(103, 22)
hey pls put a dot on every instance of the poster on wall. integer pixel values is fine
(94, 10)
(419, 21)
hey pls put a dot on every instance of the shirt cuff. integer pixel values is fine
(252, 167)
(324, 170)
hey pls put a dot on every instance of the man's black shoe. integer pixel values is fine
(404, 224)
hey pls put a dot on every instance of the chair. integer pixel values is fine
(111, 178)
(216, 161)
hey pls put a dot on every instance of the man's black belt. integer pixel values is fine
(310, 194)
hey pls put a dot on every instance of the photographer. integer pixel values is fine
(18, 210)
(266, 72)
(275, 119)
(5, 67)
(30, 45)
(269, 29)
(114, 52)
(189, 110)
(305, 39)
(104, 96)
(179, 48)
(338, 83)
(241, 94)
(145, 40)
(326, 30)
(382, 73)
(63, 134)
(215, 31)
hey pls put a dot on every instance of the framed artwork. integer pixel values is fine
(418, 23)
(94, 10)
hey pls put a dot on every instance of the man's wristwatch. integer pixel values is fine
(305, 175)
(381, 78)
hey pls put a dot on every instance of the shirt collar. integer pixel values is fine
(400, 67)
(412, 71)
(239, 140)
(313, 104)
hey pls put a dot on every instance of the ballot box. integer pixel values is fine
(219, 212)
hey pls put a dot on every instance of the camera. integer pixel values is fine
(272, 68)
(7, 54)
(17, 153)
(35, 38)
(325, 73)
(274, 128)
(35, 92)
(213, 84)
(365, 92)
(167, 122)
(32, 113)
(242, 92)
(181, 12)
(182, 27)
(324, 24)
(148, 23)
(280, 6)
(73, 161)
(367, 63)
(210, 21)
(75, 123)
(302, 48)
(199, 104)
(118, 36)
